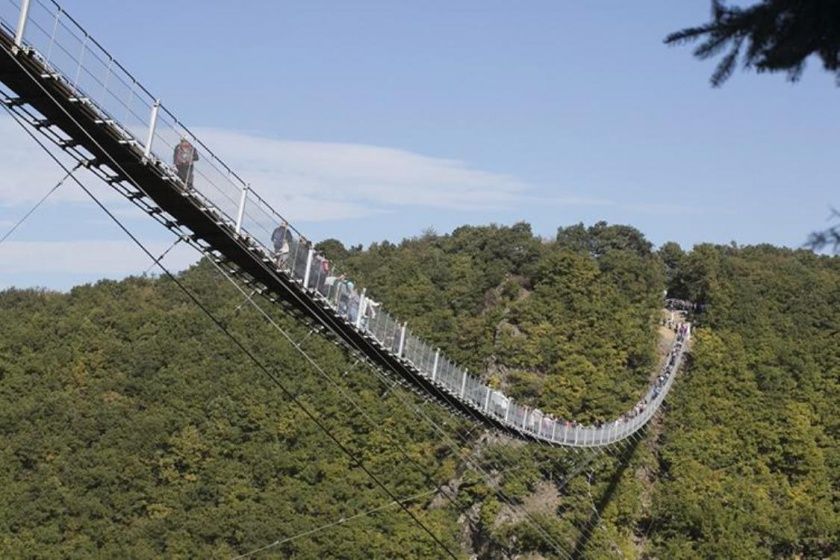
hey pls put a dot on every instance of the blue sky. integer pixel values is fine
(377, 114)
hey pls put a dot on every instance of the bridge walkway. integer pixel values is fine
(61, 82)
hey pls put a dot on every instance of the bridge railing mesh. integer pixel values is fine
(68, 53)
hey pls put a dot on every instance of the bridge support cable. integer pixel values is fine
(162, 255)
(501, 468)
(39, 203)
(595, 518)
(272, 375)
(343, 520)
(593, 452)
(390, 384)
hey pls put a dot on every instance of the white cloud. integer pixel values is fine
(324, 181)
(305, 181)
(105, 258)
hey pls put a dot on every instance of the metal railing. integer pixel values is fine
(146, 126)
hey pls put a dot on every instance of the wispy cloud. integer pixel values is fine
(309, 181)
(325, 181)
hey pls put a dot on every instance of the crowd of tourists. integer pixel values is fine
(671, 359)
(675, 304)
(292, 255)
(538, 420)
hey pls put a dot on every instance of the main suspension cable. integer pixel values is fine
(451, 443)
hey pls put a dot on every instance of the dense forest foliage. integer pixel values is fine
(750, 465)
(133, 427)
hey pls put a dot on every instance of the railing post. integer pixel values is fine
(463, 383)
(577, 433)
(435, 365)
(306, 272)
(402, 341)
(240, 214)
(147, 150)
(362, 302)
(507, 410)
(430, 360)
(394, 337)
(21, 26)
(553, 429)
(487, 399)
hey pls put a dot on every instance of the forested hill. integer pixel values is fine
(133, 428)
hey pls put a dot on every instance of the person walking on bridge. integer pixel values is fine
(282, 239)
(184, 157)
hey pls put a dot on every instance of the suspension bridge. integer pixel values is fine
(63, 88)
(60, 82)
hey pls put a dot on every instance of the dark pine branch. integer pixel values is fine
(778, 36)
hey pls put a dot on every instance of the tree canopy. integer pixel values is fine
(133, 428)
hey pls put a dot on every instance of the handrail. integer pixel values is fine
(71, 55)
